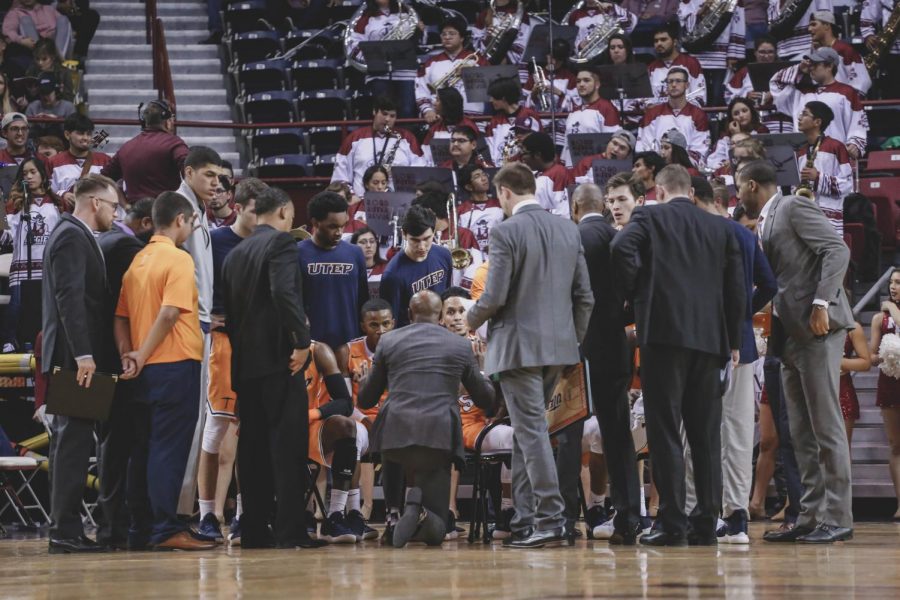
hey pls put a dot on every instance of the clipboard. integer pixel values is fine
(570, 401)
(65, 397)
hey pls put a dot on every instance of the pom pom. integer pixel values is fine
(890, 355)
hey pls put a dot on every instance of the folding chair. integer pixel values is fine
(269, 107)
(279, 140)
(242, 17)
(486, 464)
(263, 76)
(25, 469)
(290, 165)
(254, 46)
(315, 469)
(324, 165)
(316, 74)
(323, 105)
(325, 140)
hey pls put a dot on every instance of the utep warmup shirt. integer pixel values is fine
(335, 286)
(224, 239)
(405, 277)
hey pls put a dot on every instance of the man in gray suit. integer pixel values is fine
(538, 299)
(813, 316)
(419, 426)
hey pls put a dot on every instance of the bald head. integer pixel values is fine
(425, 307)
(588, 198)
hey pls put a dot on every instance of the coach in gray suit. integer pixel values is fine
(810, 261)
(419, 426)
(538, 299)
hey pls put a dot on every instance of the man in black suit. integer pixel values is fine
(605, 348)
(119, 246)
(680, 268)
(77, 336)
(270, 340)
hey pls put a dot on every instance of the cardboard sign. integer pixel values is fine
(382, 207)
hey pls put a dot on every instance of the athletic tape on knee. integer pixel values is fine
(343, 461)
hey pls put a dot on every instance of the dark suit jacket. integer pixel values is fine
(681, 269)
(604, 344)
(119, 249)
(421, 365)
(75, 299)
(264, 304)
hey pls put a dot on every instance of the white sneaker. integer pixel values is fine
(735, 538)
(604, 530)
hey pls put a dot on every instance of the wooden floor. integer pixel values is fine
(866, 567)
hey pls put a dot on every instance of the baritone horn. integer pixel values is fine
(460, 256)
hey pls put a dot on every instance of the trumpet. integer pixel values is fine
(542, 88)
(460, 256)
(454, 75)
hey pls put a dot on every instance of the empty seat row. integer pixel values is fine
(294, 165)
(282, 106)
(270, 142)
(281, 74)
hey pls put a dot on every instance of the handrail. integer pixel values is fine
(872, 292)
(162, 72)
(150, 14)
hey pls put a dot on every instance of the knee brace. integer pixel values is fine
(213, 432)
(343, 460)
(362, 440)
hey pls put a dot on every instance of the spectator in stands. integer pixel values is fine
(505, 95)
(595, 12)
(665, 44)
(14, 127)
(676, 113)
(334, 273)
(481, 212)
(793, 41)
(492, 47)
(757, 23)
(463, 150)
(78, 161)
(650, 15)
(764, 51)
(448, 104)
(619, 147)
(721, 55)
(28, 21)
(850, 124)
(824, 33)
(49, 105)
(741, 117)
(620, 51)
(49, 146)
(595, 114)
(151, 162)
(367, 241)
(84, 21)
(8, 65)
(380, 144)
(539, 154)
(6, 105)
(48, 60)
(673, 149)
(31, 220)
(646, 166)
(379, 20)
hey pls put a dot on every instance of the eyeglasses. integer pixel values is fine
(459, 140)
(18, 129)
(110, 202)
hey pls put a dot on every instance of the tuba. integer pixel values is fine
(712, 19)
(789, 15)
(884, 40)
(454, 75)
(460, 257)
(806, 188)
(406, 27)
(501, 34)
(598, 39)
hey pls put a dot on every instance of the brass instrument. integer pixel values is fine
(501, 34)
(396, 233)
(806, 188)
(884, 40)
(542, 88)
(454, 75)
(406, 27)
(460, 256)
(783, 27)
(387, 161)
(712, 19)
(100, 139)
(598, 39)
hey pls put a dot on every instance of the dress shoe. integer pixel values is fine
(658, 537)
(788, 532)
(625, 537)
(75, 545)
(183, 540)
(542, 539)
(826, 534)
(305, 542)
(697, 539)
(521, 534)
(413, 516)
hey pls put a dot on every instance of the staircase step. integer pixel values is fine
(870, 472)
(870, 453)
(869, 435)
(182, 96)
(186, 113)
(868, 414)
(178, 65)
(102, 81)
(106, 8)
(130, 36)
(137, 21)
(126, 132)
(878, 488)
(184, 51)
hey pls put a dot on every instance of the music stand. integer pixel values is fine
(539, 42)
(582, 145)
(440, 150)
(618, 82)
(762, 73)
(389, 56)
(477, 79)
(407, 178)
(794, 140)
(382, 207)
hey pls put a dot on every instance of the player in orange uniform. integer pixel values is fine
(355, 361)
(336, 442)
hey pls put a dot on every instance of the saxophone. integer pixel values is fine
(806, 188)
(499, 37)
(884, 40)
(388, 160)
(712, 19)
(598, 39)
(454, 75)
(790, 14)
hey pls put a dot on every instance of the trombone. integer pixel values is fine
(460, 256)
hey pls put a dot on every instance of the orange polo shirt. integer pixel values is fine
(162, 275)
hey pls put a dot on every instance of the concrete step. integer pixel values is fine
(136, 21)
(868, 413)
(144, 51)
(106, 8)
(879, 488)
(178, 65)
(128, 131)
(128, 110)
(182, 96)
(869, 435)
(101, 81)
(870, 453)
(129, 36)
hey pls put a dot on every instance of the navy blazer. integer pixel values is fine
(760, 286)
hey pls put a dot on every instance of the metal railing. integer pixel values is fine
(873, 291)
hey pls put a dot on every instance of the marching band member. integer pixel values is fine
(505, 94)
(673, 149)
(539, 154)
(830, 177)
(480, 212)
(878, 12)
(594, 115)
(645, 167)
(792, 44)
(379, 144)
(850, 123)
(619, 147)
(596, 12)
(742, 117)
(487, 23)
(676, 113)
(665, 45)
(560, 92)
(463, 150)
(740, 84)
(448, 104)
(433, 70)
(851, 69)
(724, 52)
